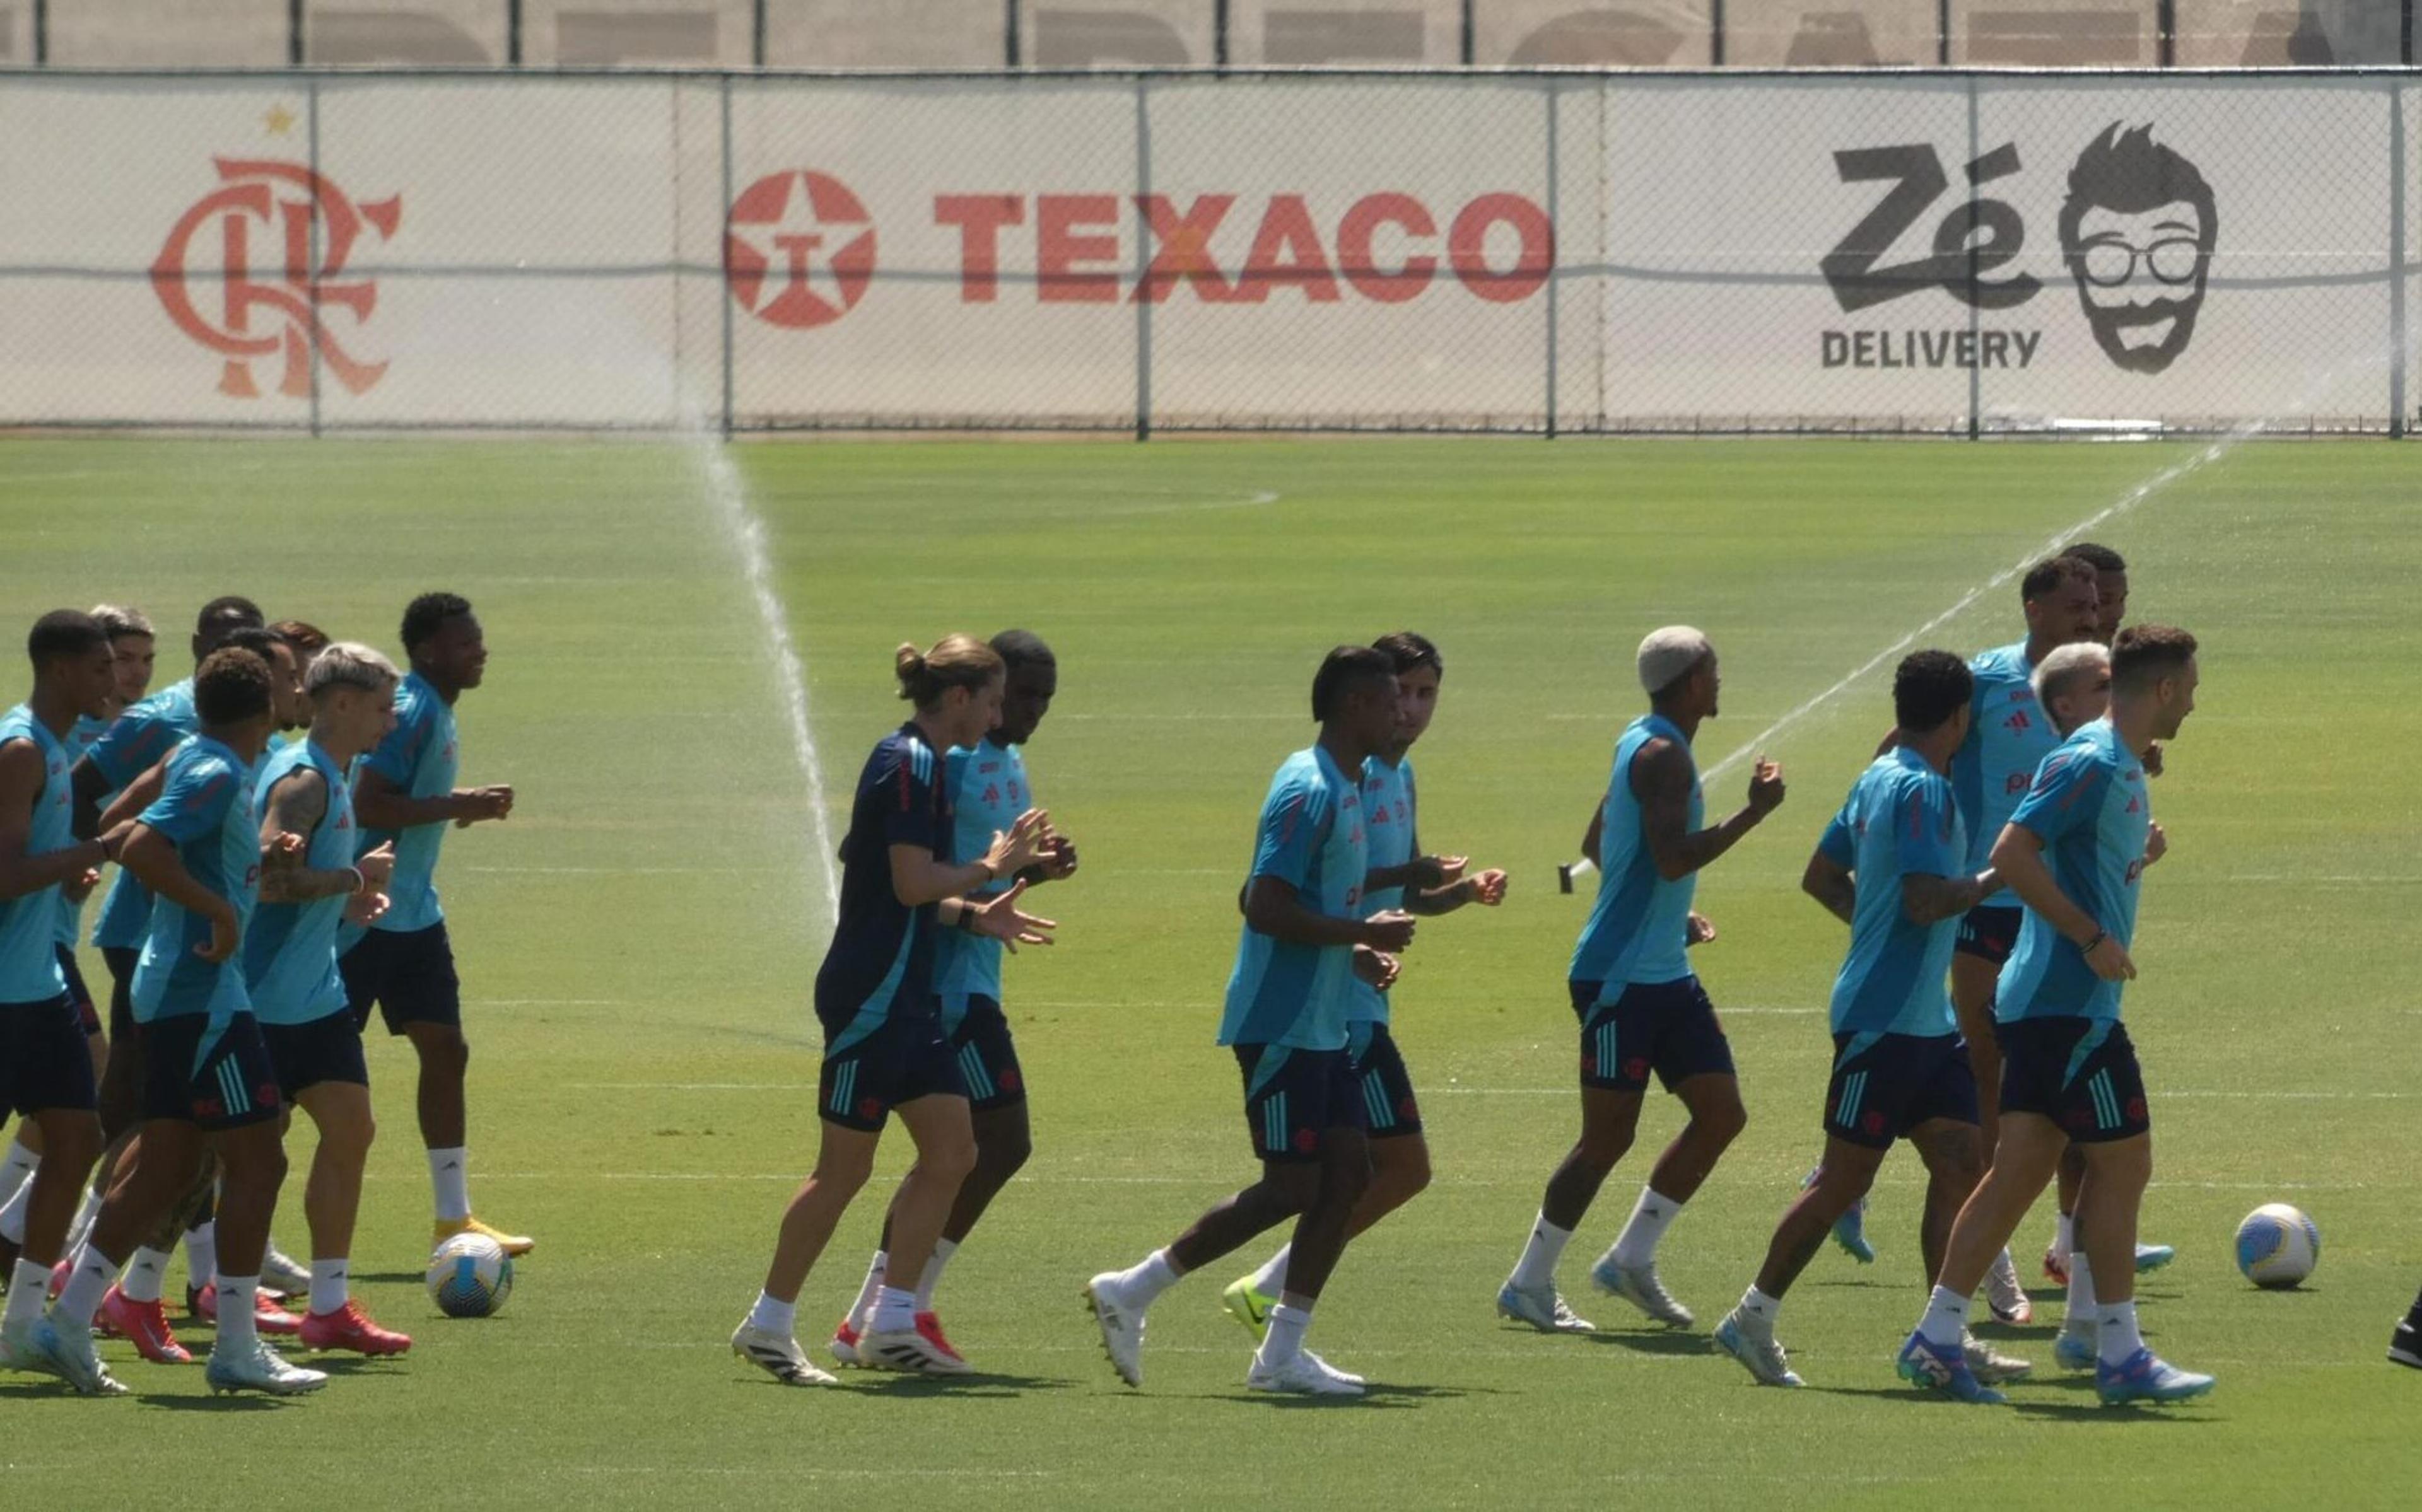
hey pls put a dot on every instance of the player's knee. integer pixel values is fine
(1721, 1123)
(1412, 1168)
(1005, 1152)
(1598, 1149)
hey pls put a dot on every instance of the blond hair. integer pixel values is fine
(955, 661)
(349, 664)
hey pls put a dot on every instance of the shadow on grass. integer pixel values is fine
(397, 1276)
(209, 1402)
(983, 1385)
(1659, 1341)
(1375, 1395)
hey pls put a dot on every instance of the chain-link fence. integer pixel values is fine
(1946, 253)
(1128, 34)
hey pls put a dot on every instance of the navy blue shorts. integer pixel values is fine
(79, 994)
(409, 977)
(1666, 1027)
(987, 1057)
(327, 1048)
(1884, 1086)
(1295, 1100)
(1989, 931)
(43, 1062)
(1387, 1086)
(2081, 1073)
(211, 1080)
(901, 1060)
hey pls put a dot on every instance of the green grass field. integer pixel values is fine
(637, 944)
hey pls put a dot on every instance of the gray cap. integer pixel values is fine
(1668, 653)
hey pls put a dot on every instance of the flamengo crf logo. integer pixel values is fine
(799, 249)
(2137, 228)
(274, 275)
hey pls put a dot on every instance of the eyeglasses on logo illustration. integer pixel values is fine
(312, 228)
(2137, 232)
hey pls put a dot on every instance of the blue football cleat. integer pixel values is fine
(2153, 1256)
(1945, 1368)
(2146, 1378)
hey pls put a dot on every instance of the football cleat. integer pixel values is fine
(1346, 1376)
(2056, 1263)
(2146, 1377)
(2077, 1348)
(912, 1350)
(350, 1328)
(1302, 1374)
(1850, 1230)
(446, 1228)
(1755, 1348)
(2005, 1295)
(1988, 1365)
(1121, 1326)
(2405, 1345)
(259, 1369)
(290, 1276)
(778, 1355)
(1249, 1306)
(1638, 1285)
(1542, 1307)
(67, 1351)
(145, 1325)
(268, 1315)
(2153, 1256)
(1944, 1368)
(17, 1351)
(843, 1347)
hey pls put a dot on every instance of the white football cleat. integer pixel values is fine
(1301, 1374)
(1638, 1285)
(1755, 1346)
(260, 1369)
(1121, 1326)
(1990, 1365)
(1346, 1376)
(2005, 1295)
(778, 1355)
(1542, 1307)
(66, 1352)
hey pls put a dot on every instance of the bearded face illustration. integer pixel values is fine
(2137, 232)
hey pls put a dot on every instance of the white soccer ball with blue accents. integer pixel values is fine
(2277, 1246)
(470, 1275)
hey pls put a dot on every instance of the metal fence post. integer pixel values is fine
(2165, 32)
(1716, 33)
(1976, 368)
(315, 231)
(1470, 26)
(1555, 246)
(1943, 33)
(513, 33)
(42, 30)
(757, 34)
(1143, 257)
(2404, 32)
(2396, 257)
(294, 33)
(723, 278)
(1008, 30)
(1220, 34)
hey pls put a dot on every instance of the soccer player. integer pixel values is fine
(1642, 1008)
(45, 1071)
(988, 789)
(2008, 736)
(402, 965)
(208, 1080)
(2111, 591)
(1892, 866)
(1304, 940)
(1401, 877)
(2074, 852)
(313, 876)
(884, 1045)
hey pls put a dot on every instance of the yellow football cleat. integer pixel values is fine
(446, 1228)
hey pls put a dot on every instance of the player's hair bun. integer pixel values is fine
(908, 665)
(955, 661)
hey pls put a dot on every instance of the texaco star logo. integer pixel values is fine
(799, 249)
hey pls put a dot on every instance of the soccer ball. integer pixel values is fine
(2277, 1246)
(470, 1275)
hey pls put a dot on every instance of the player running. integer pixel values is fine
(2110, 591)
(208, 1079)
(404, 797)
(1304, 941)
(313, 876)
(988, 790)
(1892, 866)
(1401, 877)
(2075, 852)
(1642, 1008)
(45, 1071)
(884, 1045)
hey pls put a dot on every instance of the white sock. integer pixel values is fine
(1945, 1319)
(81, 1229)
(773, 1317)
(1270, 1279)
(1757, 1304)
(450, 1177)
(1537, 1267)
(1284, 1339)
(1650, 1217)
(2080, 1318)
(147, 1275)
(1141, 1284)
(895, 1311)
(943, 1250)
(861, 1311)
(239, 1327)
(201, 1254)
(2120, 1338)
(332, 1286)
(16, 1169)
(87, 1284)
(12, 1215)
(28, 1286)
(2064, 1235)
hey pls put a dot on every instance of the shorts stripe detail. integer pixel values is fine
(971, 1066)
(232, 1087)
(1375, 1099)
(1274, 1123)
(844, 1080)
(1854, 1091)
(2106, 1103)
